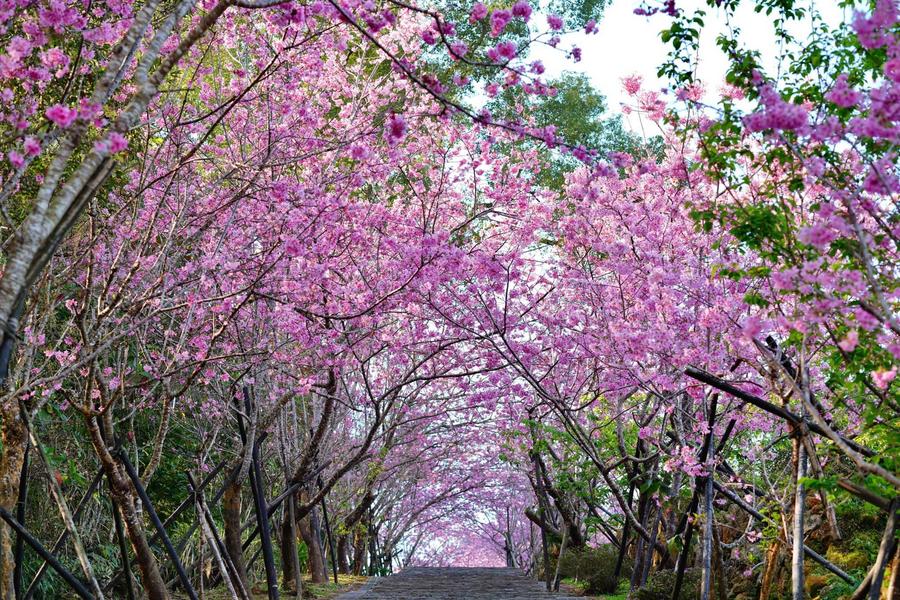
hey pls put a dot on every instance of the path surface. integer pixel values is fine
(453, 584)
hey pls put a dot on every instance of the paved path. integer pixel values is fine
(453, 584)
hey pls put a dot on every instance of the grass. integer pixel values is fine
(330, 590)
(575, 587)
(317, 591)
(621, 592)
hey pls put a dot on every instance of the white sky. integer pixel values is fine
(629, 44)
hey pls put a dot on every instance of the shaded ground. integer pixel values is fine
(318, 591)
(454, 584)
(574, 587)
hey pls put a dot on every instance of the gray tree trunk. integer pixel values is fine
(797, 575)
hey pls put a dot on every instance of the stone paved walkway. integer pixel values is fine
(453, 584)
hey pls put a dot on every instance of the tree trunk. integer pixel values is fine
(288, 551)
(884, 551)
(343, 554)
(14, 437)
(559, 558)
(359, 549)
(650, 549)
(708, 526)
(231, 515)
(797, 555)
(894, 585)
(124, 498)
(721, 582)
(123, 495)
(772, 559)
(643, 510)
(623, 540)
(352, 525)
(315, 526)
(314, 548)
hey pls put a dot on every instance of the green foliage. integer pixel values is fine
(594, 567)
(621, 592)
(660, 585)
(303, 555)
(579, 114)
(861, 528)
(838, 589)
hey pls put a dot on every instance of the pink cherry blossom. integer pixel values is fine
(16, 159)
(850, 341)
(883, 377)
(61, 115)
(522, 10)
(395, 129)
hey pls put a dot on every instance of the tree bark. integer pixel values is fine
(772, 559)
(643, 510)
(721, 582)
(708, 526)
(650, 548)
(123, 496)
(359, 548)
(351, 524)
(894, 586)
(231, 515)
(797, 555)
(559, 558)
(14, 437)
(623, 540)
(315, 526)
(884, 550)
(288, 551)
(314, 547)
(343, 554)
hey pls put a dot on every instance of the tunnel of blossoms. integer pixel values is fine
(296, 294)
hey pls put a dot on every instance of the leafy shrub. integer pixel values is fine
(595, 567)
(849, 560)
(838, 590)
(660, 585)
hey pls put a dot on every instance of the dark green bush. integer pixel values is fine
(595, 567)
(660, 584)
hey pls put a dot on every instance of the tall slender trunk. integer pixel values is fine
(231, 515)
(314, 547)
(359, 548)
(639, 548)
(288, 550)
(14, 436)
(894, 585)
(352, 525)
(543, 513)
(343, 554)
(623, 540)
(648, 553)
(316, 528)
(721, 581)
(773, 558)
(884, 550)
(706, 550)
(124, 498)
(559, 558)
(295, 556)
(290, 558)
(797, 556)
